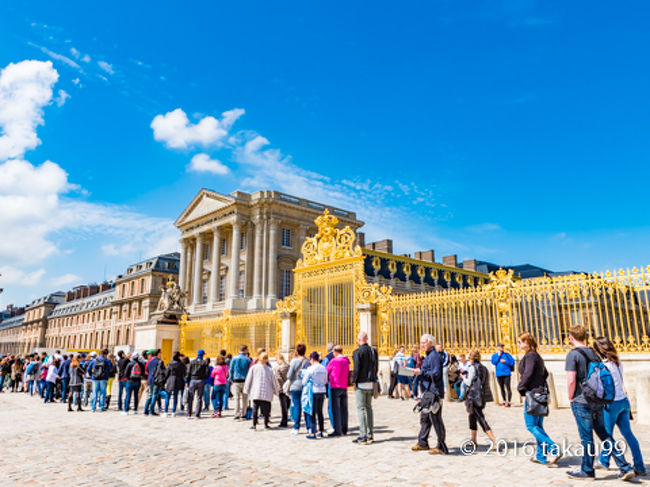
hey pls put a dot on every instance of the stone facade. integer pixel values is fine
(238, 251)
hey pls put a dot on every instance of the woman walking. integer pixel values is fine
(478, 394)
(175, 382)
(76, 382)
(533, 375)
(318, 375)
(618, 412)
(50, 380)
(17, 375)
(260, 386)
(281, 370)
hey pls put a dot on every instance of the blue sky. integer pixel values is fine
(513, 131)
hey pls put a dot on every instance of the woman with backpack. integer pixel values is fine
(533, 375)
(618, 412)
(76, 383)
(50, 380)
(478, 394)
(175, 382)
(134, 374)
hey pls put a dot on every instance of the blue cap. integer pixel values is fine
(201, 353)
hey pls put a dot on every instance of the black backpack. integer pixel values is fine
(159, 375)
(479, 392)
(136, 370)
(98, 369)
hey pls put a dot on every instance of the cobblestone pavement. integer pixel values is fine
(44, 444)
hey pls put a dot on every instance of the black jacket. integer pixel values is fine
(431, 374)
(366, 364)
(121, 368)
(175, 374)
(532, 373)
(198, 370)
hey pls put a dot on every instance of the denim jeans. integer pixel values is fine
(545, 445)
(173, 395)
(226, 396)
(330, 413)
(316, 418)
(150, 403)
(99, 389)
(618, 414)
(64, 388)
(217, 397)
(49, 394)
(296, 410)
(590, 419)
(120, 391)
(364, 412)
(31, 386)
(340, 411)
(195, 389)
(132, 389)
(206, 396)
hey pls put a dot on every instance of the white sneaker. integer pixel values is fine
(173, 415)
(295, 432)
(330, 431)
(124, 413)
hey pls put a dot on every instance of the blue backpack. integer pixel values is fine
(598, 385)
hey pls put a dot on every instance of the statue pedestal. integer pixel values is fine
(162, 331)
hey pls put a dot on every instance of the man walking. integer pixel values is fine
(366, 364)
(65, 377)
(588, 415)
(504, 364)
(338, 371)
(238, 371)
(154, 390)
(196, 374)
(431, 382)
(122, 363)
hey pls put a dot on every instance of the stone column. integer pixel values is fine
(216, 265)
(259, 245)
(248, 268)
(183, 264)
(234, 262)
(265, 259)
(273, 258)
(368, 322)
(288, 333)
(198, 268)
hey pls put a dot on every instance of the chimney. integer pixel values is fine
(69, 296)
(77, 292)
(93, 289)
(405, 255)
(104, 286)
(469, 265)
(385, 245)
(361, 239)
(426, 255)
(450, 260)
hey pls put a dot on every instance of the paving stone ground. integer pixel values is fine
(44, 445)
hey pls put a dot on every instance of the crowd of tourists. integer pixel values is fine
(307, 381)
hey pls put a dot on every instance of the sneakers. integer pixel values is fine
(419, 448)
(554, 459)
(124, 413)
(370, 441)
(360, 441)
(535, 460)
(311, 437)
(295, 432)
(578, 474)
(214, 415)
(435, 451)
(640, 473)
(626, 475)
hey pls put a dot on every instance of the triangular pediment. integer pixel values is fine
(204, 203)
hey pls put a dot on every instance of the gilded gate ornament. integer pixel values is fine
(329, 244)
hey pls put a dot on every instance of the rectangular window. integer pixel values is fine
(131, 288)
(224, 247)
(286, 283)
(206, 252)
(242, 241)
(222, 288)
(204, 292)
(286, 237)
(142, 284)
(242, 277)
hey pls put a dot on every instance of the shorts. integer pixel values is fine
(402, 379)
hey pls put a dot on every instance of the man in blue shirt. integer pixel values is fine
(65, 377)
(238, 371)
(504, 364)
(98, 370)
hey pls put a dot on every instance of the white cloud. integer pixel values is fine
(18, 277)
(61, 98)
(56, 56)
(75, 53)
(203, 163)
(25, 88)
(65, 280)
(484, 227)
(86, 58)
(106, 67)
(175, 130)
(76, 81)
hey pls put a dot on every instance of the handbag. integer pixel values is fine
(376, 390)
(286, 387)
(537, 402)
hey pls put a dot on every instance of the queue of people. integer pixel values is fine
(594, 378)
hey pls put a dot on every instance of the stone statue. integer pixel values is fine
(172, 299)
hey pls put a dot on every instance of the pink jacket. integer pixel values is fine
(338, 370)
